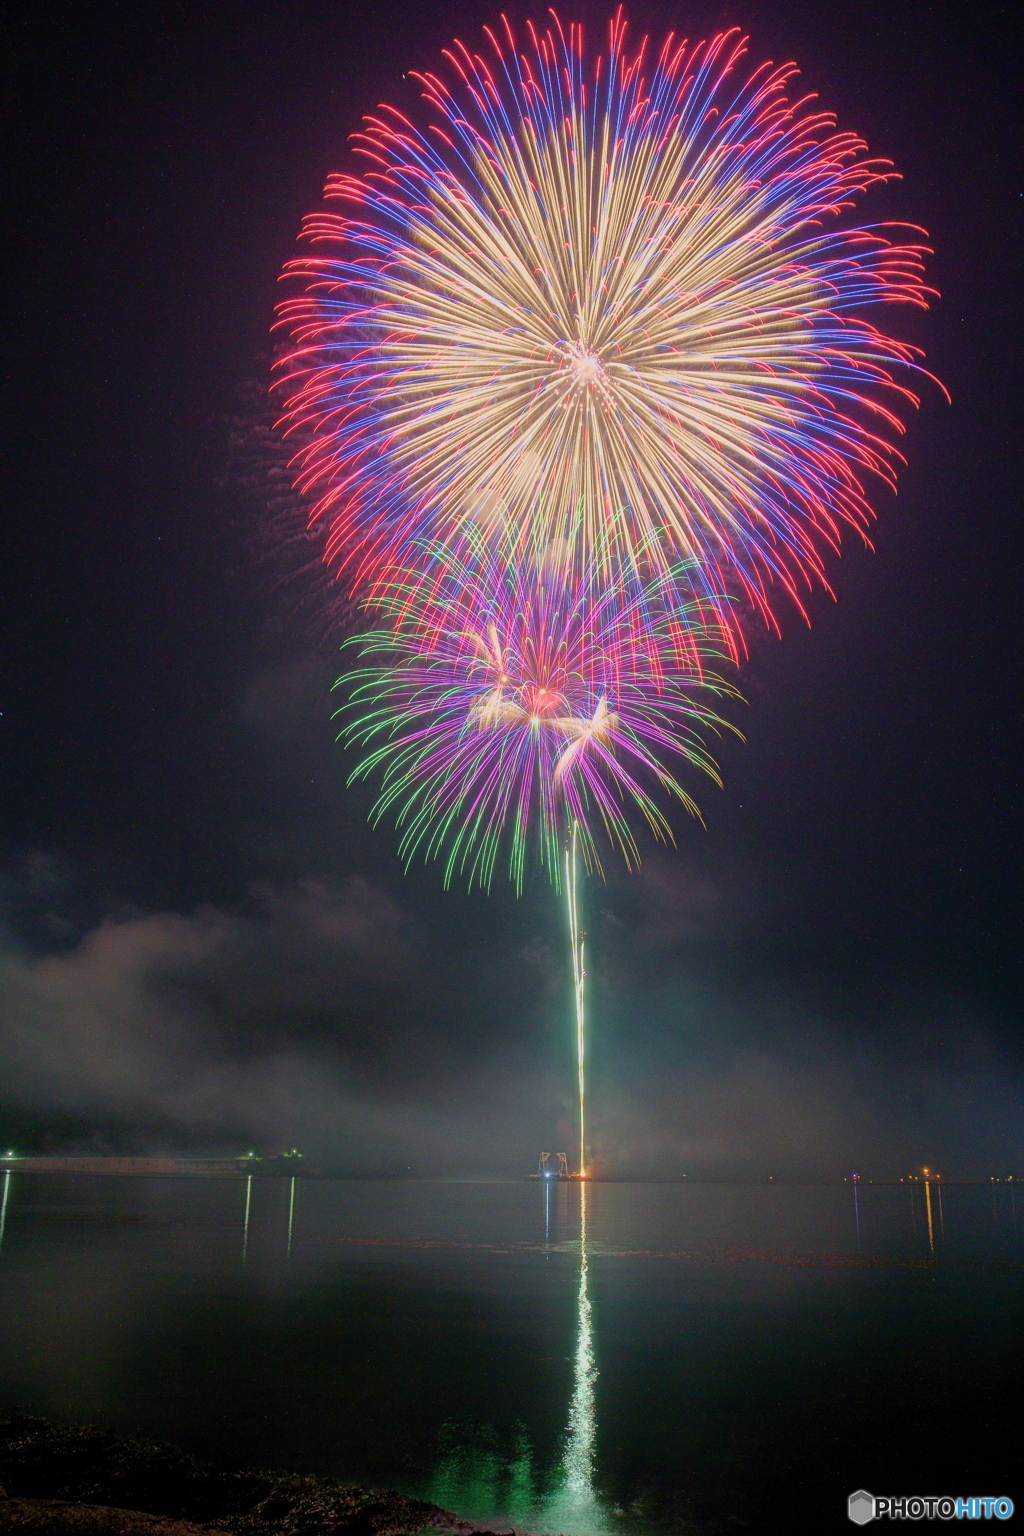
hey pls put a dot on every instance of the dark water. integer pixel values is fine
(707, 1359)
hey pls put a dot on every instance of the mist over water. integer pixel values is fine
(328, 1016)
(617, 1358)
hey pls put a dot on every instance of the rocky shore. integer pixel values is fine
(78, 1480)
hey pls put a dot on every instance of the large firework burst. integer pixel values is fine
(614, 305)
(503, 706)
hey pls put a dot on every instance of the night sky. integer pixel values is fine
(202, 944)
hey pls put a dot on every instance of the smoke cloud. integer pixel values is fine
(325, 1015)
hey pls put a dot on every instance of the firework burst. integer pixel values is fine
(502, 707)
(610, 304)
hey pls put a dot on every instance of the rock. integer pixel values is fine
(55, 1517)
(74, 1467)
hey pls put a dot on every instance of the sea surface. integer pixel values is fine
(634, 1358)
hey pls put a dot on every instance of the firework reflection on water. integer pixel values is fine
(575, 1508)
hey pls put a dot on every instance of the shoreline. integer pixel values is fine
(239, 1169)
(62, 1478)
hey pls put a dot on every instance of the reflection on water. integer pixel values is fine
(578, 1459)
(928, 1210)
(474, 1474)
(245, 1223)
(445, 1338)
(476, 1477)
(574, 1507)
(934, 1213)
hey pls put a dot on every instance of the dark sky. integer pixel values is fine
(201, 940)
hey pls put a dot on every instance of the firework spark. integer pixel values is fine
(504, 707)
(611, 304)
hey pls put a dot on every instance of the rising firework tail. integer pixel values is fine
(578, 953)
(615, 302)
(505, 708)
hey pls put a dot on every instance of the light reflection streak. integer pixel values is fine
(3, 1206)
(291, 1217)
(928, 1210)
(578, 1460)
(245, 1226)
(575, 1507)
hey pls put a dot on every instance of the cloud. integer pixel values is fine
(141, 1018)
(323, 1014)
(297, 1021)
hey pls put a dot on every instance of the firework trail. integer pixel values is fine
(505, 708)
(578, 950)
(611, 304)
